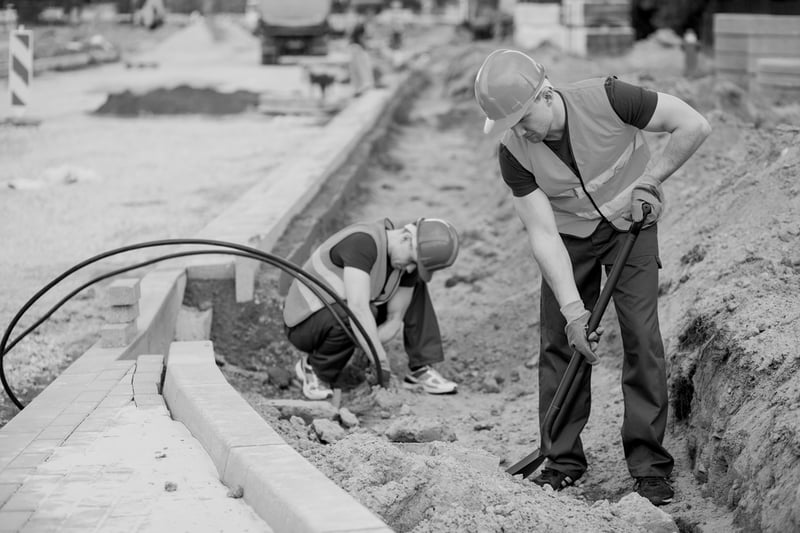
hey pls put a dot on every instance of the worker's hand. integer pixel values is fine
(576, 329)
(386, 373)
(647, 191)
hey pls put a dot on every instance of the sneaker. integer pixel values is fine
(313, 387)
(655, 489)
(429, 380)
(556, 479)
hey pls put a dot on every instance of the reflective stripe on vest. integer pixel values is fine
(300, 300)
(610, 155)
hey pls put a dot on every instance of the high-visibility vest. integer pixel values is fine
(301, 302)
(610, 154)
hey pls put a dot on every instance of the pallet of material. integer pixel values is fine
(779, 78)
(742, 39)
(595, 13)
(606, 40)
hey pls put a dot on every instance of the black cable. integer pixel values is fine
(237, 249)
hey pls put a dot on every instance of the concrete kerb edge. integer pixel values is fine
(161, 297)
(277, 482)
(190, 397)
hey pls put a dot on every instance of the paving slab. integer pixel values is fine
(125, 468)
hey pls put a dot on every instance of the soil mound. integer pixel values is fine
(178, 101)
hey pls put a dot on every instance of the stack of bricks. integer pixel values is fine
(597, 27)
(123, 299)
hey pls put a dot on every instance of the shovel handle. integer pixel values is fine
(569, 385)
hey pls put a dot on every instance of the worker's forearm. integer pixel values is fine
(366, 319)
(389, 329)
(556, 267)
(683, 142)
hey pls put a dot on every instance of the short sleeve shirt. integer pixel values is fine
(358, 250)
(633, 104)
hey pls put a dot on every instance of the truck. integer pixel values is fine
(486, 19)
(287, 27)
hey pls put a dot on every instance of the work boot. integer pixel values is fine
(556, 479)
(429, 380)
(655, 489)
(313, 387)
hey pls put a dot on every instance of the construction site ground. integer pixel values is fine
(729, 313)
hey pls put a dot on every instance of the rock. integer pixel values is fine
(170, 486)
(419, 429)
(306, 410)
(386, 399)
(349, 420)
(638, 510)
(490, 385)
(327, 431)
(280, 377)
(236, 492)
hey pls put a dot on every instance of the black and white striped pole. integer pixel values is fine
(20, 71)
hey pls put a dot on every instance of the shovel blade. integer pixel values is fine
(527, 465)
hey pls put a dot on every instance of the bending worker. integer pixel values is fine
(579, 171)
(381, 272)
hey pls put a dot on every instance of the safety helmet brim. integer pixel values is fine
(504, 123)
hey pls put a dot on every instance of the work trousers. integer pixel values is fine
(644, 384)
(329, 347)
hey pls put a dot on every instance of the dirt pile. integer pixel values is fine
(179, 100)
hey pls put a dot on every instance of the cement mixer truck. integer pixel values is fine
(289, 27)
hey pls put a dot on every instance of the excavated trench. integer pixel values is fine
(734, 398)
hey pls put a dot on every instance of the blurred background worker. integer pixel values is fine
(397, 23)
(381, 272)
(580, 171)
(362, 74)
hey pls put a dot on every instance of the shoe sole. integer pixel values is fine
(418, 386)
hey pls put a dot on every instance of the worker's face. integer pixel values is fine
(535, 124)
(405, 257)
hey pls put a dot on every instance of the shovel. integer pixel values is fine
(577, 367)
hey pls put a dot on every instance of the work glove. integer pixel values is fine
(386, 373)
(647, 191)
(576, 329)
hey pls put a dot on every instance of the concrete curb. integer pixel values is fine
(279, 484)
(91, 382)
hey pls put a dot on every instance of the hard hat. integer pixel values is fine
(506, 83)
(437, 246)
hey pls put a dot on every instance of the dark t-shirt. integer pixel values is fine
(358, 250)
(633, 104)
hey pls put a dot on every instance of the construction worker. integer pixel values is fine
(580, 171)
(362, 71)
(381, 272)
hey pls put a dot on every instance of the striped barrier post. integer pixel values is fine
(20, 69)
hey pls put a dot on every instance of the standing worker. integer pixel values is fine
(396, 25)
(580, 171)
(382, 273)
(362, 74)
